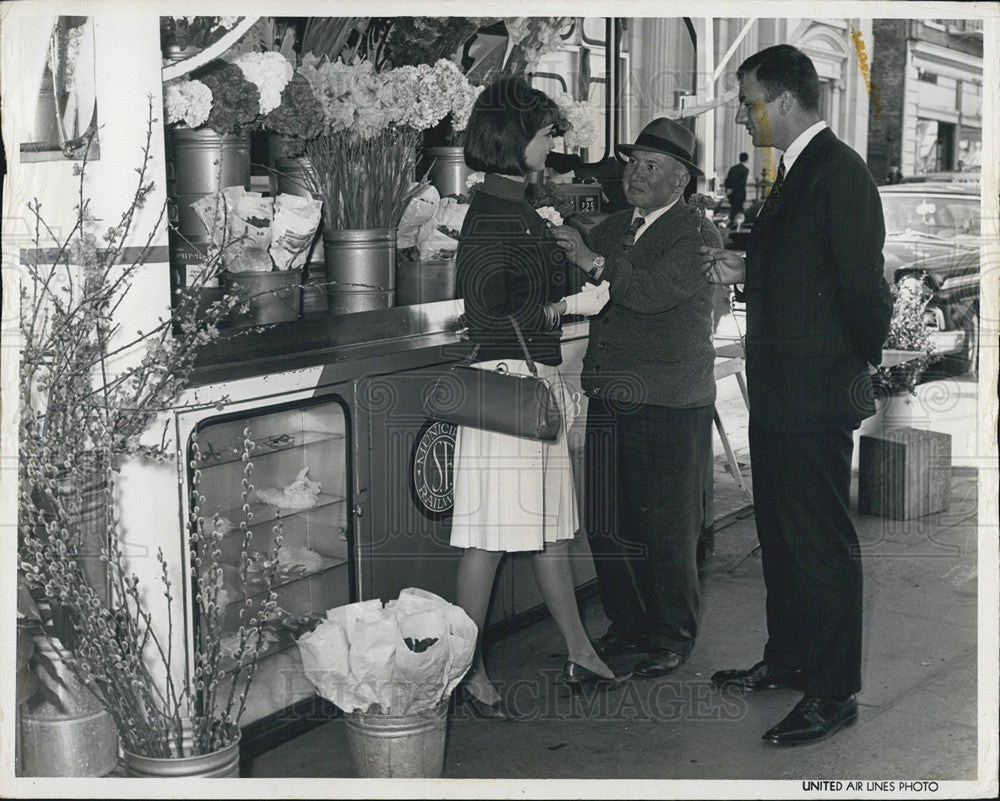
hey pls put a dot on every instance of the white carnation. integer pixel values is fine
(270, 72)
(189, 102)
(550, 215)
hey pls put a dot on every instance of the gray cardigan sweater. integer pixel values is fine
(652, 343)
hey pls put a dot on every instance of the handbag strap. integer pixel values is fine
(520, 338)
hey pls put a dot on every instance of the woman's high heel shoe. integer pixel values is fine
(498, 710)
(576, 676)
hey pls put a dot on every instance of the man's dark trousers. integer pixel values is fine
(644, 512)
(810, 555)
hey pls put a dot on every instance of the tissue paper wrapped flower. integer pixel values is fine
(402, 659)
(302, 493)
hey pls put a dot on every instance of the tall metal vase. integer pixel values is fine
(446, 169)
(76, 737)
(360, 269)
(200, 162)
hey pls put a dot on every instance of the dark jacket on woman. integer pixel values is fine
(509, 265)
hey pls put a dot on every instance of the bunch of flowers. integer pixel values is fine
(532, 38)
(229, 95)
(423, 40)
(200, 32)
(581, 117)
(908, 331)
(363, 161)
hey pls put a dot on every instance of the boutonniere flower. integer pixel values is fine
(552, 217)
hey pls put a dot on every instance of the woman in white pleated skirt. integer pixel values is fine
(514, 494)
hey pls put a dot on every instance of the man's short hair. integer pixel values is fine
(784, 68)
(743, 157)
(504, 119)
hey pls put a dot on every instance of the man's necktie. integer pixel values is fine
(775, 193)
(629, 239)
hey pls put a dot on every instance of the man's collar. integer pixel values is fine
(656, 213)
(799, 144)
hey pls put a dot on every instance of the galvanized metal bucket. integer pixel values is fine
(425, 281)
(78, 740)
(447, 170)
(273, 297)
(399, 746)
(360, 269)
(221, 764)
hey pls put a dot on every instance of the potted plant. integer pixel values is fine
(907, 353)
(89, 395)
(908, 350)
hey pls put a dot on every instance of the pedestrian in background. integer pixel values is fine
(736, 187)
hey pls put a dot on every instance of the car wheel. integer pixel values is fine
(966, 362)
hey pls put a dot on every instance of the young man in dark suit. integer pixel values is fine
(649, 377)
(818, 312)
(736, 187)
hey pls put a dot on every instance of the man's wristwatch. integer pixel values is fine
(596, 266)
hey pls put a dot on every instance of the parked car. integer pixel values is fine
(933, 235)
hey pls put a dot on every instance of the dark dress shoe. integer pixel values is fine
(761, 677)
(658, 663)
(498, 710)
(612, 644)
(576, 676)
(814, 718)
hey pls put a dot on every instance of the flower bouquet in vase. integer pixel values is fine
(362, 165)
(392, 670)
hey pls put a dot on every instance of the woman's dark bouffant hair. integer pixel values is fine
(504, 120)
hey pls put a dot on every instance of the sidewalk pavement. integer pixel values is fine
(918, 717)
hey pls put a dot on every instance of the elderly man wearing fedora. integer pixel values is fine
(648, 375)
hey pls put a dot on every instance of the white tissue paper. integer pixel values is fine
(402, 659)
(259, 233)
(418, 211)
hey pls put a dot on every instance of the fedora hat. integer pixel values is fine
(665, 136)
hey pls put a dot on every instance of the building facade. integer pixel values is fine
(929, 76)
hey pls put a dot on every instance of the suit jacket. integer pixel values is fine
(818, 306)
(736, 180)
(652, 343)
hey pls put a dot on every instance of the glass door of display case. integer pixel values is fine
(300, 459)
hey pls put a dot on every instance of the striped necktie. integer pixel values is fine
(629, 239)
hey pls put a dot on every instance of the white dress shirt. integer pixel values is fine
(795, 148)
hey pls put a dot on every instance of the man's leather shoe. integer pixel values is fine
(814, 718)
(658, 663)
(761, 677)
(612, 644)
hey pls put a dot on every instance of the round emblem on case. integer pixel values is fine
(433, 469)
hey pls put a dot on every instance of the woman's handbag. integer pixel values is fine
(495, 400)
